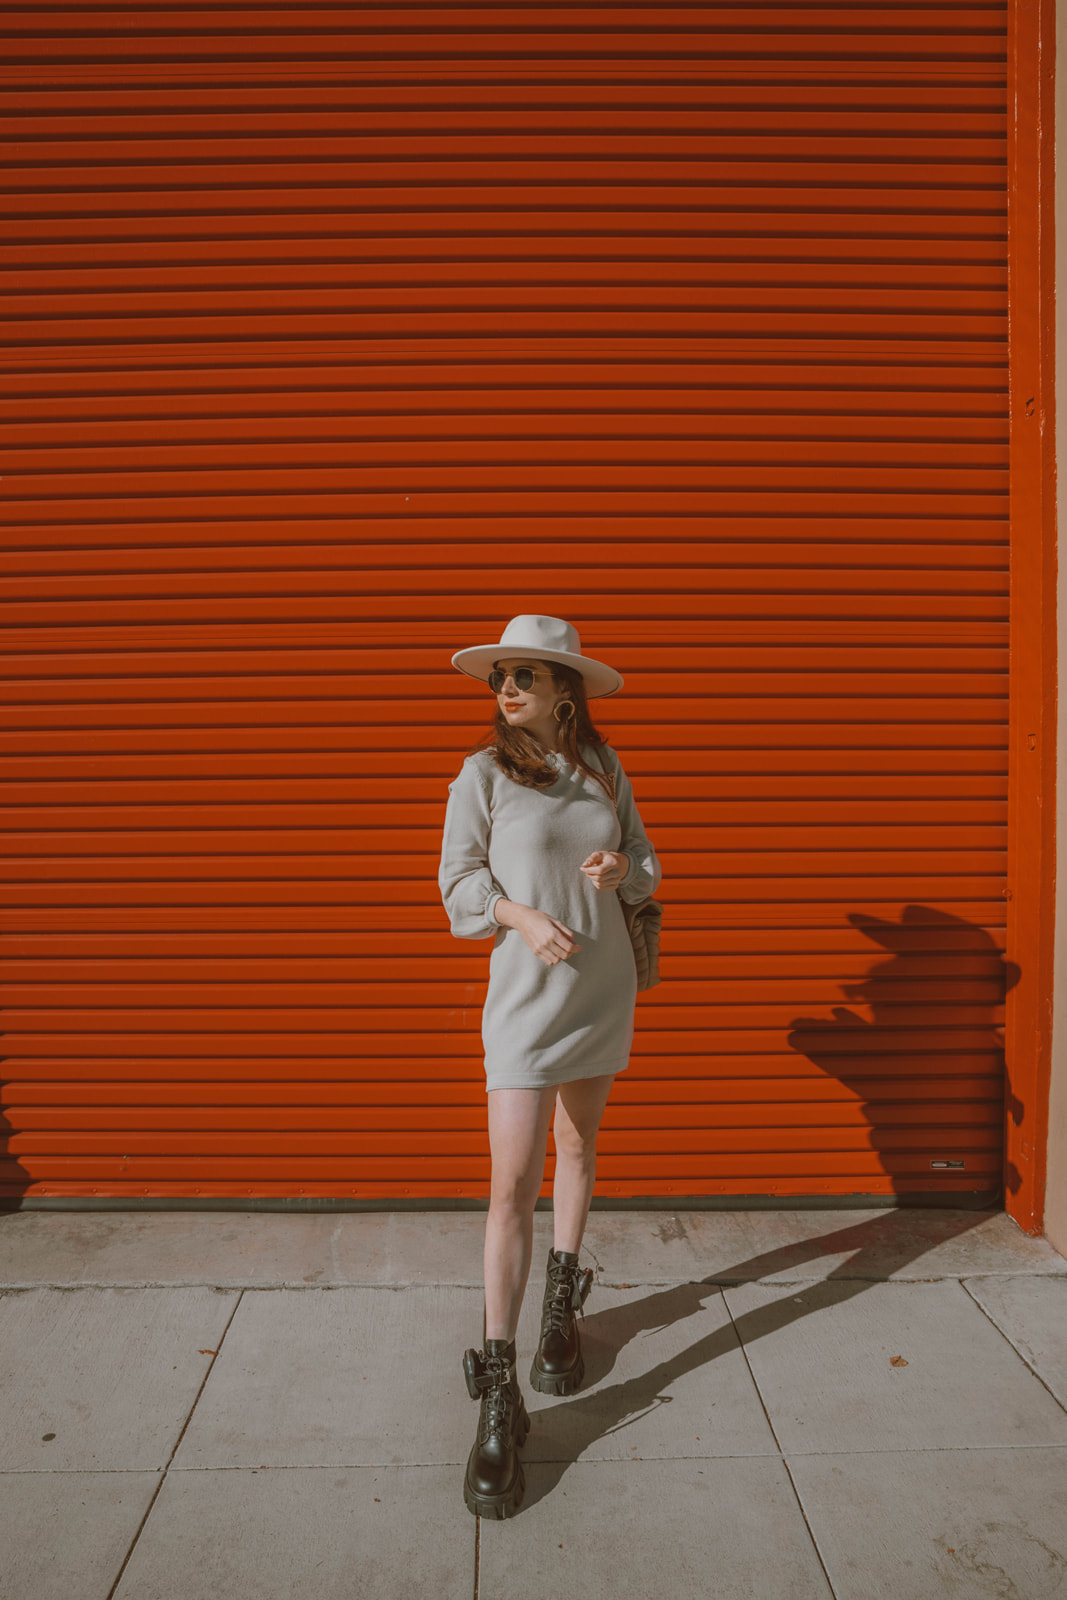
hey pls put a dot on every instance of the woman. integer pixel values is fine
(534, 849)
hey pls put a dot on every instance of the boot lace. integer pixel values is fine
(495, 1384)
(564, 1300)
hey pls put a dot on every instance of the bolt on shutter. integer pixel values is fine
(335, 338)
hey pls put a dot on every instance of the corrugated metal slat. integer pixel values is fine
(316, 318)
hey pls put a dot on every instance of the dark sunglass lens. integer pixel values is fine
(524, 679)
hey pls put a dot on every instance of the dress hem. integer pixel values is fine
(596, 1069)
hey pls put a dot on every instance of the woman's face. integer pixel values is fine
(531, 709)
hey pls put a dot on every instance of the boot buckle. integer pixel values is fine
(580, 1285)
(480, 1376)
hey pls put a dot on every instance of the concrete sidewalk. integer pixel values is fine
(779, 1405)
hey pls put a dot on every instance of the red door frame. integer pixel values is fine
(1032, 694)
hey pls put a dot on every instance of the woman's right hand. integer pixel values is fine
(550, 941)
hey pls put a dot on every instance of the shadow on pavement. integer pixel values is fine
(595, 1413)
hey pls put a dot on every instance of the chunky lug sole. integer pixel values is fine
(496, 1507)
(557, 1382)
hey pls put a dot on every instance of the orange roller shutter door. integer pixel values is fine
(337, 337)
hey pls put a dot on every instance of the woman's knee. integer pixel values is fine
(575, 1143)
(579, 1111)
(512, 1199)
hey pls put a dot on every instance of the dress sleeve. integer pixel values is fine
(468, 888)
(645, 872)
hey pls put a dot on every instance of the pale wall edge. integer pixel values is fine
(1056, 1191)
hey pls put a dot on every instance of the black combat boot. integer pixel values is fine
(558, 1366)
(494, 1484)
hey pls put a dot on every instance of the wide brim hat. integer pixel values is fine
(543, 639)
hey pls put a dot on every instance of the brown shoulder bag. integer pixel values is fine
(643, 922)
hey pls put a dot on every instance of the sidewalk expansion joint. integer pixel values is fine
(319, 1466)
(1012, 1345)
(477, 1555)
(714, 1280)
(811, 1531)
(781, 1452)
(181, 1435)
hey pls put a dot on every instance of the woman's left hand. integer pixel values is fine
(606, 869)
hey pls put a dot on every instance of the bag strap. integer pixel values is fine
(609, 775)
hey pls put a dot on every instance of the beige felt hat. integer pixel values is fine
(545, 639)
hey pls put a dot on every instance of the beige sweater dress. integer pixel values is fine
(545, 1025)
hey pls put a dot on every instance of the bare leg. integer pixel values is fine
(518, 1140)
(579, 1108)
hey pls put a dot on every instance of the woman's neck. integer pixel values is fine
(544, 736)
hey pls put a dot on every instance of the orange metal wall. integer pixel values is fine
(334, 338)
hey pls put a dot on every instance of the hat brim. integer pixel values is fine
(598, 677)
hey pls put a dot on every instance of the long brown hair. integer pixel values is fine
(521, 758)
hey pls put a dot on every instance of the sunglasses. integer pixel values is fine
(524, 678)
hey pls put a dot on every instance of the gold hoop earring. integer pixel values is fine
(571, 713)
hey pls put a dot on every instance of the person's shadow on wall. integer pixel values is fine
(13, 1175)
(951, 1031)
(968, 978)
